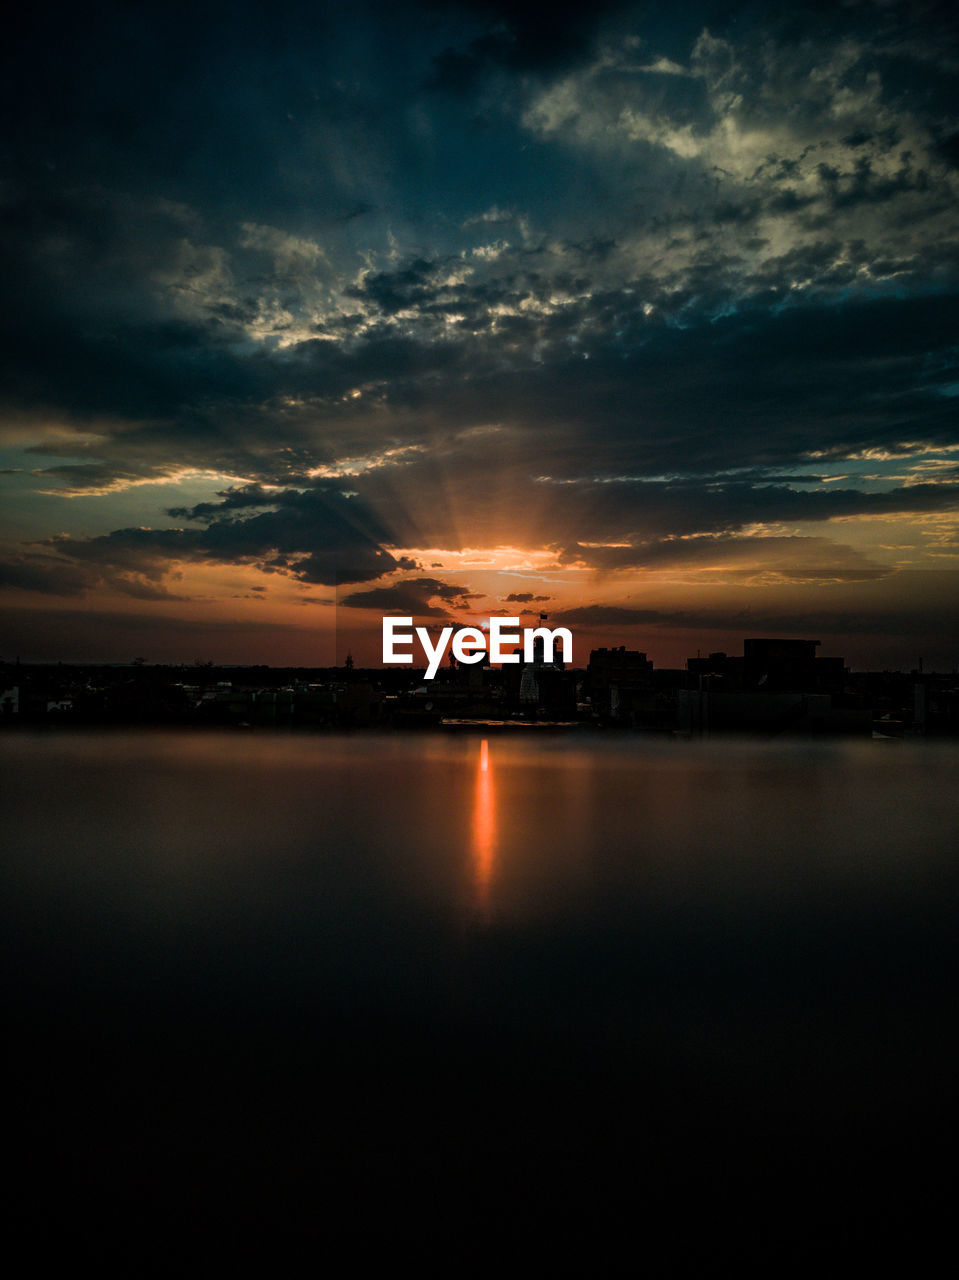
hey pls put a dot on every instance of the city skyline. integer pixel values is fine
(645, 319)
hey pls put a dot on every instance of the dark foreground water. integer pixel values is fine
(424, 998)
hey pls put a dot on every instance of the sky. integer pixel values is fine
(640, 315)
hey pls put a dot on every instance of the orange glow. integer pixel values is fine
(483, 849)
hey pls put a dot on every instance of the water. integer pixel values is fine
(399, 990)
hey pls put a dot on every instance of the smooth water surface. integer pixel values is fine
(580, 973)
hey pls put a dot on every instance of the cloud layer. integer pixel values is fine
(314, 294)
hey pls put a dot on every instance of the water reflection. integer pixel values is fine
(483, 849)
(238, 969)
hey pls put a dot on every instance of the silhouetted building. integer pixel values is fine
(725, 671)
(619, 682)
(790, 666)
(769, 665)
(778, 686)
(778, 665)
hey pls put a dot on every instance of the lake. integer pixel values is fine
(537, 992)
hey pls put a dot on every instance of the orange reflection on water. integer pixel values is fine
(483, 848)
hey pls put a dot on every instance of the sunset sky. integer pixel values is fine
(645, 317)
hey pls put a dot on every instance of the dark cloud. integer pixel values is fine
(82, 635)
(640, 512)
(48, 575)
(413, 598)
(610, 615)
(516, 35)
(51, 574)
(801, 558)
(320, 536)
(868, 608)
(94, 477)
